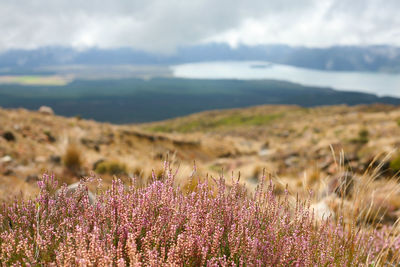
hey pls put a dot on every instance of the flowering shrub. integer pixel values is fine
(159, 225)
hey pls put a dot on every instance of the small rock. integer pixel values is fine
(6, 159)
(264, 152)
(321, 210)
(292, 161)
(72, 188)
(45, 110)
(17, 127)
(9, 136)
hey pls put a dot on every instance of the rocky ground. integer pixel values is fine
(345, 155)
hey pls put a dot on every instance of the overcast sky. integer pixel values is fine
(162, 25)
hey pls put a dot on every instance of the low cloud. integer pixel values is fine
(162, 25)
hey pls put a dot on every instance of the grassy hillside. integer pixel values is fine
(288, 141)
(226, 119)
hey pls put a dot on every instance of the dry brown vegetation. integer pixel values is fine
(345, 155)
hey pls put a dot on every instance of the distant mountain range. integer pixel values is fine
(338, 58)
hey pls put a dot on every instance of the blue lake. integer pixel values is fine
(382, 84)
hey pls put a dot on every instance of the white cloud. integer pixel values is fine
(327, 23)
(161, 25)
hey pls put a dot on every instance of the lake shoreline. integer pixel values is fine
(381, 84)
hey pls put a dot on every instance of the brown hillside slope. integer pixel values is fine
(291, 143)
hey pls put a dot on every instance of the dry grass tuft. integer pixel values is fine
(72, 158)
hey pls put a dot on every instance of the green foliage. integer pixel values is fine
(395, 163)
(208, 123)
(363, 137)
(111, 167)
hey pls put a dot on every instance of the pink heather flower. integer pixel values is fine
(159, 225)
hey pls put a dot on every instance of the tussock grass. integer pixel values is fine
(72, 158)
(111, 167)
